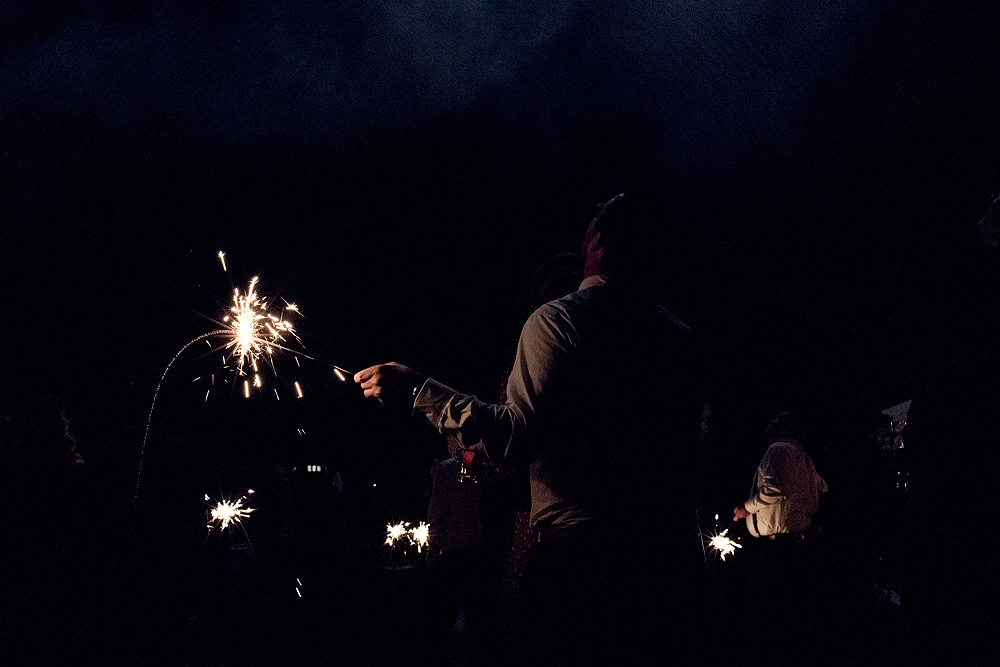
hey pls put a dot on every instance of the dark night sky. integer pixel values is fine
(399, 169)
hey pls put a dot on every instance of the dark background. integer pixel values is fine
(399, 169)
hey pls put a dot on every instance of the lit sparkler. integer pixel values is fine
(253, 333)
(418, 535)
(396, 532)
(226, 512)
(724, 545)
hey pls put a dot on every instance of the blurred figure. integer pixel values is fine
(455, 576)
(506, 504)
(952, 437)
(47, 573)
(783, 501)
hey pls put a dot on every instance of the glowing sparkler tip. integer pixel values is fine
(419, 535)
(255, 331)
(226, 513)
(724, 545)
(394, 532)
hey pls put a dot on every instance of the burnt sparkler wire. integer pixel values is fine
(340, 372)
(252, 332)
(149, 419)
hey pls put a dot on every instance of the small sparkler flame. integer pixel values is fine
(724, 545)
(396, 532)
(418, 535)
(226, 512)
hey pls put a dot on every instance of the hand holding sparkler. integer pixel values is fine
(392, 384)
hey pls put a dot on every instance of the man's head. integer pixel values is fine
(627, 236)
(784, 427)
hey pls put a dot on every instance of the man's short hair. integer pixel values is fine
(786, 426)
(636, 227)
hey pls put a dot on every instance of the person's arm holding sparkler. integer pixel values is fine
(476, 426)
(767, 488)
(394, 385)
(498, 430)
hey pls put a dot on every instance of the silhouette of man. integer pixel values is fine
(603, 403)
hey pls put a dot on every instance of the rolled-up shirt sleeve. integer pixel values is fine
(503, 430)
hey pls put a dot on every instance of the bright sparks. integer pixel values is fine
(414, 536)
(724, 545)
(396, 532)
(255, 332)
(226, 513)
(420, 535)
(250, 332)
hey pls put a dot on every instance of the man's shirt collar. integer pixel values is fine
(593, 281)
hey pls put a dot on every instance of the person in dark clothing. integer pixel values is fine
(455, 572)
(952, 435)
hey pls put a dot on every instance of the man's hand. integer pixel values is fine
(393, 384)
(740, 512)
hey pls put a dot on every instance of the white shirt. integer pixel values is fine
(785, 493)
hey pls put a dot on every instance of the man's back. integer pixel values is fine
(621, 410)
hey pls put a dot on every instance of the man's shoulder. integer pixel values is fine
(606, 298)
(564, 306)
